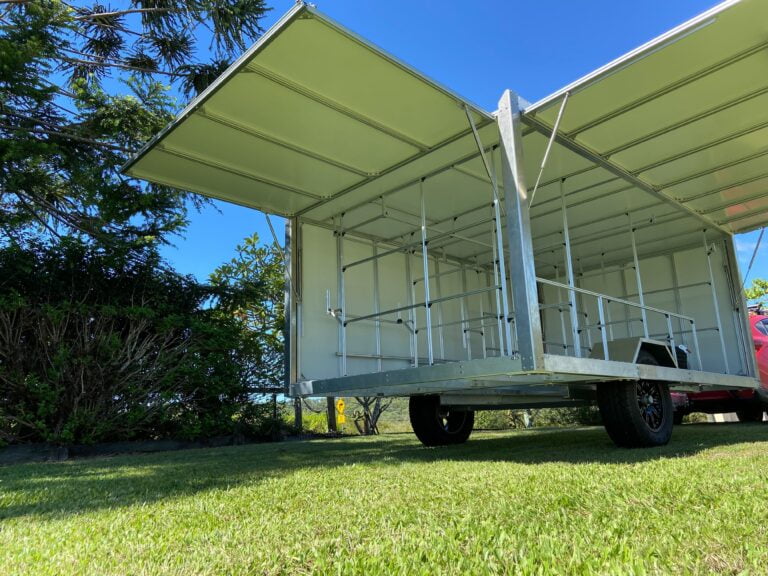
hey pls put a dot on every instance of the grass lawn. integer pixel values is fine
(532, 502)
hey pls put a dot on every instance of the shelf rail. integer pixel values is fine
(602, 325)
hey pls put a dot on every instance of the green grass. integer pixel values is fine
(532, 502)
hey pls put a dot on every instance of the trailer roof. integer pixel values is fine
(316, 122)
(685, 114)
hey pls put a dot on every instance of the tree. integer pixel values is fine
(63, 138)
(757, 292)
(372, 407)
(250, 290)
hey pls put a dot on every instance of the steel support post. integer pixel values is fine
(501, 257)
(342, 304)
(466, 336)
(563, 331)
(413, 316)
(500, 317)
(708, 252)
(425, 258)
(638, 278)
(522, 269)
(740, 307)
(376, 304)
(291, 336)
(439, 290)
(603, 334)
(569, 275)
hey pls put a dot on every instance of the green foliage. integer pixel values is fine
(533, 502)
(543, 417)
(757, 292)
(99, 345)
(63, 141)
(250, 291)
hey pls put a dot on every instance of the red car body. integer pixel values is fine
(748, 404)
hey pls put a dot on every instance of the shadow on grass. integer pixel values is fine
(65, 488)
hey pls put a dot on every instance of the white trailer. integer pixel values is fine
(573, 250)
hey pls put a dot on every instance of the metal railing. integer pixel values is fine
(602, 325)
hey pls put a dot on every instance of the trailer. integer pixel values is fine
(574, 250)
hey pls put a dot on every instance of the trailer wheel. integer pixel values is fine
(637, 414)
(751, 414)
(437, 425)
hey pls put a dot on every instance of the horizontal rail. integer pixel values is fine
(415, 243)
(611, 299)
(422, 304)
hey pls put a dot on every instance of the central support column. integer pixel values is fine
(522, 271)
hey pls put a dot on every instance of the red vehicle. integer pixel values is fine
(748, 405)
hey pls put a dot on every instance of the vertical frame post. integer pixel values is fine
(425, 257)
(291, 335)
(741, 319)
(376, 303)
(708, 252)
(342, 298)
(500, 316)
(466, 336)
(522, 269)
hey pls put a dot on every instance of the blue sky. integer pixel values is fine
(478, 49)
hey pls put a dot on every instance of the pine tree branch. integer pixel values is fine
(117, 13)
(108, 64)
(46, 131)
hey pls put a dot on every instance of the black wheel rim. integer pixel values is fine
(451, 422)
(649, 401)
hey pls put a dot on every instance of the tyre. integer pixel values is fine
(637, 414)
(750, 414)
(437, 425)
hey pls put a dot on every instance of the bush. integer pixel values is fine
(103, 346)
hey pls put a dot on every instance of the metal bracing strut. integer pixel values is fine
(549, 145)
(499, 259)
(638, 278)
(569, 276)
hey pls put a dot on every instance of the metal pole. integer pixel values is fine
(483, 341)
(499, 319)
(425, 258)
(522, 267)
(603, 335)
(671, 337)
(605, 283)
(560, 312)
(466, 338)
(638, 279)
(342, 296)
(376, 305)
(676, 293)
(438, 288)
(696, 345)
(569, 275)
(291, 336)
(500, 256)
(412, 314)
(708, 252)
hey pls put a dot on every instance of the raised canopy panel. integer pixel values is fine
(308, 114)
(684, 114)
